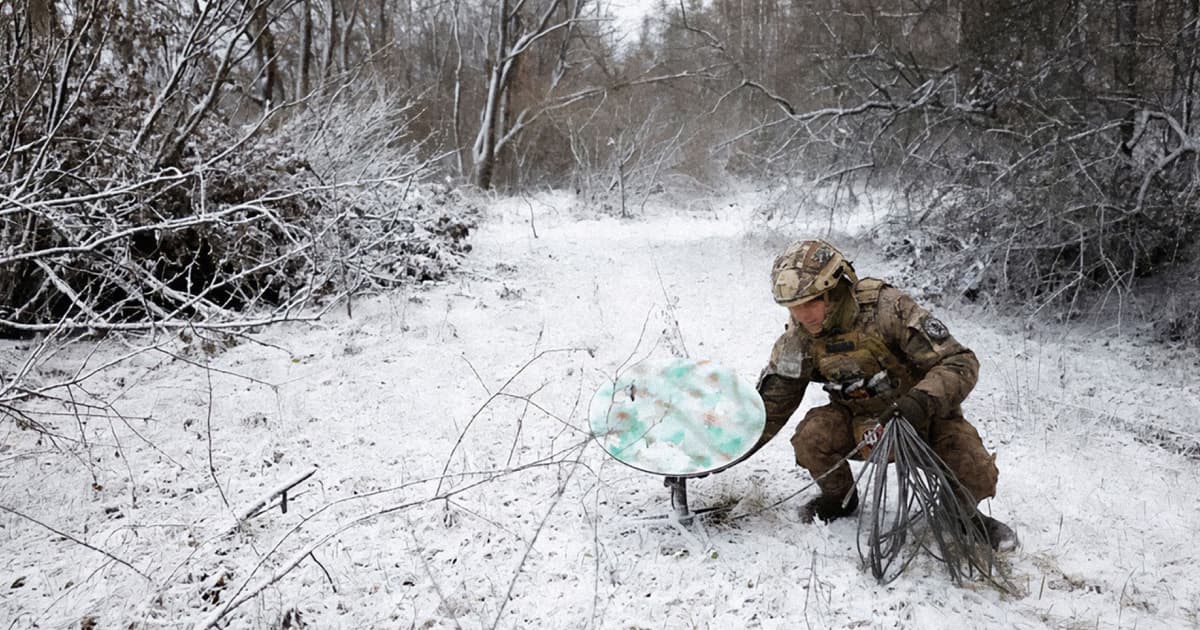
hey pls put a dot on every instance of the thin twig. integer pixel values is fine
(254, 507)
(212, 469)
(670, 308)
(328, 577)
(241, 595)
(558, 495)
(463, 434)
(477, 376)
(74, 540)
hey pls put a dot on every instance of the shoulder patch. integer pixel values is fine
(934, 328)
(788, 355)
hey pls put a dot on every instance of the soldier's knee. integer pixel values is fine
(959, 445)
(980, 488)
(820, 436)
(802, 447)
(989, 474)
(978, 473)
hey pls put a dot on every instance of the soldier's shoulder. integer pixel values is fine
(794, 336)
(894, 307)
(788, 354)
(866, 290)
(875, 290)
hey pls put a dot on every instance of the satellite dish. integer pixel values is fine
(677, 417)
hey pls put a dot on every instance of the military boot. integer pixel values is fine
(1000, 536)
(828, 507)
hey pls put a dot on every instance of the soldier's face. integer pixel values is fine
(810, 314)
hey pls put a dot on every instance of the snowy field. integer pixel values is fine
(455, 485)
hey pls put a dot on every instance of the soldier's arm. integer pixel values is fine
(781, 386)
(781, 396)
(951, 369)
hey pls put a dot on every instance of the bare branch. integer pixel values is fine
(75, 540)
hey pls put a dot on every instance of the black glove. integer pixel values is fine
(913, 406)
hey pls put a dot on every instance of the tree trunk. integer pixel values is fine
(1191, 66)
(485, 142)
(457, 114)
(382, 32)
(496, 124)
(972, 45)
(1126, 69)
(42, 18)
(349, 18)
(264, 47)
(334, 43)
(306, 40)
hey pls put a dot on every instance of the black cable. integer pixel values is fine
(931, 510)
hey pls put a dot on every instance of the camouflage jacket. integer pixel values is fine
(891, 346)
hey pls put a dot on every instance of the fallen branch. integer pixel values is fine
(75, 540)
(558, 495)
(255, 508)
(241, 595)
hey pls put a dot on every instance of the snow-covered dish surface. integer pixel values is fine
(677, 417)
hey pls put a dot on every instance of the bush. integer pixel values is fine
(261, 220)
(1059, 218)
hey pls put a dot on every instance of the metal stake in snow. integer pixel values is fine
(679, 504)
(679, 418)
(263, 503)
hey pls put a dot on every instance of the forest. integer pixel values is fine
(234, 162)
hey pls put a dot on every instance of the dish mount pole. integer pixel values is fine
(679, 501)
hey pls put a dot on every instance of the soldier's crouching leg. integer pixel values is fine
(958, 444)
(820, 442)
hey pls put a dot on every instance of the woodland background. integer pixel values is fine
(169, 165)
(178, 177)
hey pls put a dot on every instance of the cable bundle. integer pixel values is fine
(929, 512)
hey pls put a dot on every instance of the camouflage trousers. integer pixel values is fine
(827, 434)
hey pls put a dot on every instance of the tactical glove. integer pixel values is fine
(914, 407)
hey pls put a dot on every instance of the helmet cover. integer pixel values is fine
(808, 269)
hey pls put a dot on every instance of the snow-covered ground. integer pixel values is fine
(456, 486)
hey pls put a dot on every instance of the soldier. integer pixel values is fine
(880, 356)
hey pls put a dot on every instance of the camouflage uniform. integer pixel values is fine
(877, 346)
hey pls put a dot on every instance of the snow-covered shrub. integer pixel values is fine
(1168, 301)
(140, 190)
(144, 187)
(1058, 217)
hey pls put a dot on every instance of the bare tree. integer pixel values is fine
(513, 41)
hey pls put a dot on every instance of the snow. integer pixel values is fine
(488, 378)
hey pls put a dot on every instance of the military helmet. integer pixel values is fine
(807, 269)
